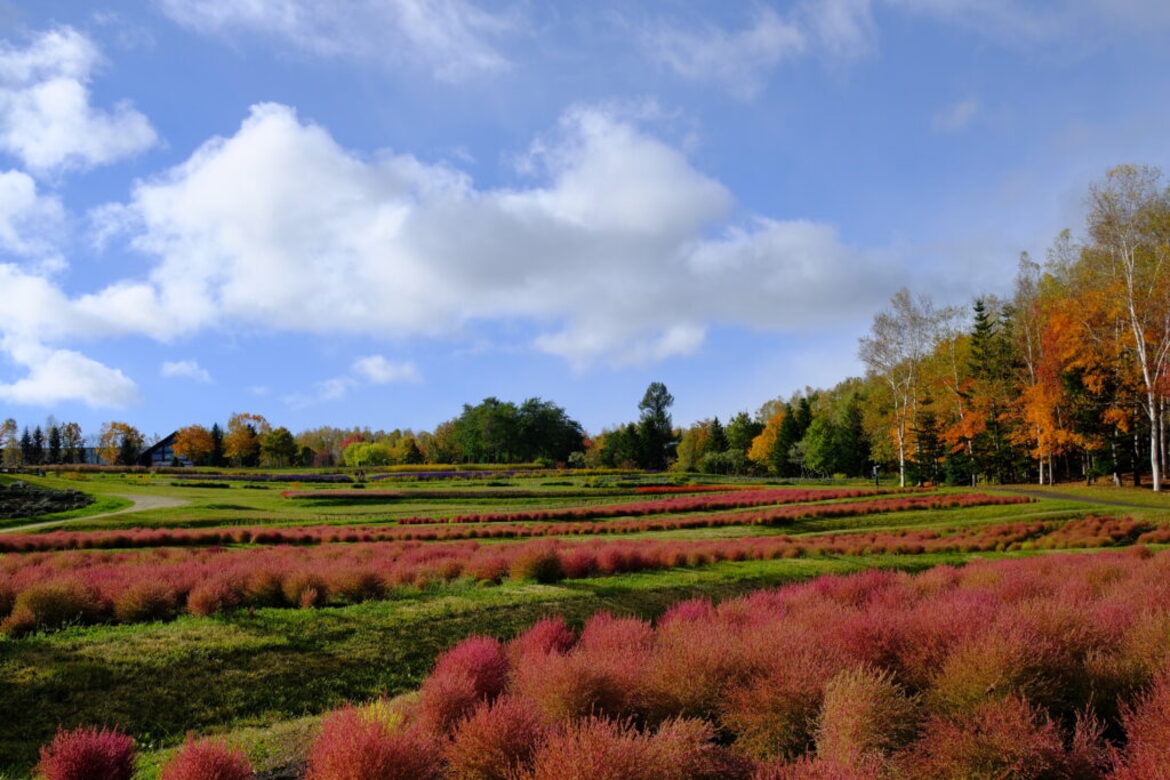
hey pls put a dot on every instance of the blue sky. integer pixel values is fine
(370, 212)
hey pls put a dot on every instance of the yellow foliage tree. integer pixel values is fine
(762, 445)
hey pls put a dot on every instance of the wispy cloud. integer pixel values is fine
(185, 369)
(453, 39)
(955, 117)
(368, 370)
(739, 61)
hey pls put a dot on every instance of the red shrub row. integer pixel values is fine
(743, 499)
(664, 489)
(350, 496)
(50, 590)
(199, 537)
(1032, 668)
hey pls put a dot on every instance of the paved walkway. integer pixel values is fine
(1082, 499)
(139, 504)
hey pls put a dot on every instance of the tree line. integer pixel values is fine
(1067, 377)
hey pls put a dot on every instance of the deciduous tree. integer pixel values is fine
(194, 443)
(242, 442)
(900, 338)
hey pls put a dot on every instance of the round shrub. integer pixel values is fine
(496, 742)
(1004, 738)
(305, 590)
(549, 635)
(600, 748)
(487, 568)
(88, 754)
(356, 585)
(353, 747)
(865, 715)
(539, 562)
(145, 601)
(264, 588)
(212, 597)
(50, 606)
(207, 760)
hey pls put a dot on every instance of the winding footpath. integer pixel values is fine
(139, 503)
(1074, 497)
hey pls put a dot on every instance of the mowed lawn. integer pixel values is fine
(255, 671)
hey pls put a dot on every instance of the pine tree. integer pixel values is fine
(37, 451)
(716, 437)
(26, 447)
(54, 445)
(217, 454)
(655, 434)
(741, 430)
(787, 437)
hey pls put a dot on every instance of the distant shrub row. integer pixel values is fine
(307, 535)
(313, 478)
(742, 499)
(47, 591)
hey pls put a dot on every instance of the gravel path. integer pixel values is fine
(139, 504)
(1074, 497)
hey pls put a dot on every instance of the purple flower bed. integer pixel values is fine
(446, 475)
(319, 478)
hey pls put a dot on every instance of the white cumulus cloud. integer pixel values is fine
(611, 253)
(185, 369)
(58, 375)
(617, 251)
(30, 222)
(621, 251)
(46, 118)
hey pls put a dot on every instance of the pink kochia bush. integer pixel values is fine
(877, 674)
(439, 530)
(88, 754)
(207, 760)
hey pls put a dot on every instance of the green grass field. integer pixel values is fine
(262, 676)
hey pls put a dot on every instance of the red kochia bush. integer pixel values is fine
(865, 717)
(1005, 738)
(480, 659)
(600, 749)
(88, 754)
(473, 671)
(539, 562)
(550, 635)
(52, 605)
(145, 601)
(1147, 730)
(496, 742)
(207, 760)
(356, 746)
